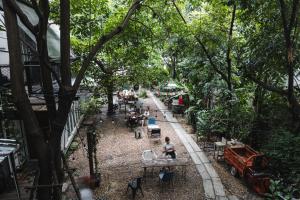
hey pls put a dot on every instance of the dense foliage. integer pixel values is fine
(238, 60)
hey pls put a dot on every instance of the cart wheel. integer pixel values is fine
(233, 171)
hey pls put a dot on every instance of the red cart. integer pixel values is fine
(249, 164)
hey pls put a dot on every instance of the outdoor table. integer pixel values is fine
(153, 126)
(166, 162)
(151, 132)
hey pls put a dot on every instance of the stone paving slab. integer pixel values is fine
(211, 171)
(209, 189)
(232, 197)
(188, 148)
(203, 157)
(218, 187)
(221, 198)
(195, 158)
(193, 143)
(201, 169)
(212, 184)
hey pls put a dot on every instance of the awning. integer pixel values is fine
(53, 33)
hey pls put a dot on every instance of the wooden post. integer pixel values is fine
(70, 175)
(90, 150)
(125, 108)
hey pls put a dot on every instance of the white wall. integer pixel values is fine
(3, 45)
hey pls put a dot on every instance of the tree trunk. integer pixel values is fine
(48, 149)
(109, 90)
(22, 102)
(58, 125)
(257, 122)
(289, 24)
(65, 42)
(42, 46)
(229, 73)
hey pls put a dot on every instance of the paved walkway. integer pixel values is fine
(212, 184)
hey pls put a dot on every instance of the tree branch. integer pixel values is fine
(36, 8)
(23, 17)
(135, 20)
(103, 40)
(178, 11)
(295, 10)
(283, 17)
(154, 12)
(228, 52)
(65, 69)
(266, 86)
(209, 57)
(223, 75)
(101, 65)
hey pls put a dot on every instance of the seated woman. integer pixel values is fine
(169, 148)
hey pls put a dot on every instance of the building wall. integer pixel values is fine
(4, 60)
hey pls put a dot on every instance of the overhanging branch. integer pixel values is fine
(293, 18)
(144, 25)
(103, 40)
(101, 65)
(266, 86)
(209, 57)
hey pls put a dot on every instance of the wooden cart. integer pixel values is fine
(249, 164)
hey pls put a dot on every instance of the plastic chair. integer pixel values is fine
(166, 177)
(151, 121)
(135, 185)
(223, 140)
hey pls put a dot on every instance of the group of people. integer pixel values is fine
(127, 94)
(135, 116)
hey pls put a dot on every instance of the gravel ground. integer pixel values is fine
(119, 157)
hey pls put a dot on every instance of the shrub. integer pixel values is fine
(92, 105)
(143, 94)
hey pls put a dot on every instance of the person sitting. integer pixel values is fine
(132, 119)
(145, 116)
(169, 148)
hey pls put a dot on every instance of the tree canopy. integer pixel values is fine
(238, 60)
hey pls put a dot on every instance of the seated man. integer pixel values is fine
(169, 148)
(145, 115)
(132, 119)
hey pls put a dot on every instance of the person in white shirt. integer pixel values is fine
(169, 148)
(145, 115)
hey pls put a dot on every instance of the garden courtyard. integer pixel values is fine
(119, 156)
